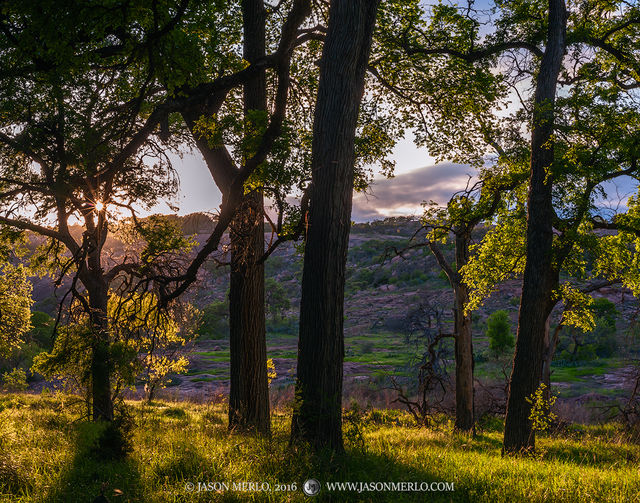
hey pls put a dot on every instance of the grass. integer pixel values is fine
(209, 371)
(576, 372)
(45, 457)
(214, 356)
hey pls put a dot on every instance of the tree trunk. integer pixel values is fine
(249, 388)
(317, 417)
(546, 360)
(102, 401)
(540, 273)
(465, 420)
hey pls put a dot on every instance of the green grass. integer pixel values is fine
(221, 356)
(382, 357)
(44, 457)
(282, 353)
(210, 371)
(582, 369)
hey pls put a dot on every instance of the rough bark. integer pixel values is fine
(540, 274)
(102, 400)
(249, 391)
(317, 418)
(465, 415)
(465, 420)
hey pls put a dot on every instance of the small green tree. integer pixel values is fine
(214, 322)
(15, 307)
(276, 299)
(501, 339)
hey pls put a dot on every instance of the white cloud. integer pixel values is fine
(405, 193)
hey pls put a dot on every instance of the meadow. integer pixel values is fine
(47, 455)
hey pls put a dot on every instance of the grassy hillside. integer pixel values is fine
(45, 456)
(383, 298)
(384, 295)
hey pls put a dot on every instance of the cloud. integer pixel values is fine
(405, 193)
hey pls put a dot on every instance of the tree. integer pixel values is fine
(463, 213)
(145, 343)
(499, 332)
(249, 387)
(317, 417)
(74, 147)
(261, 153)
(540, 275)
(589, 56)
(15, 307)
(449, 100)
(241, 173)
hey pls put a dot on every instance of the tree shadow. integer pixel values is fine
(299, 464)
(86, 476)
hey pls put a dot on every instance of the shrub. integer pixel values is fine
(283, 326)
(15, 380)
(108, 440)
(41, 329)
(586, 353)
(499, 333)
(215, 321)
(276, 299)
(116, 440)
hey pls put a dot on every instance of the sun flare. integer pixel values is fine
(99, 205)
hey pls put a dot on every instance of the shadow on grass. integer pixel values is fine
(601, 455)
(86, 476)
(275, 462)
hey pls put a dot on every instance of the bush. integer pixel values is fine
(499, 333)
(287, 326)
(41, 329)
(606, 346)
(276, 299)
(15, 380)
(586, 353)
(215, 321)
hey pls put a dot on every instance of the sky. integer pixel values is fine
(417, 179)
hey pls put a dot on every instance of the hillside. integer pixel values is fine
(387, 299)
